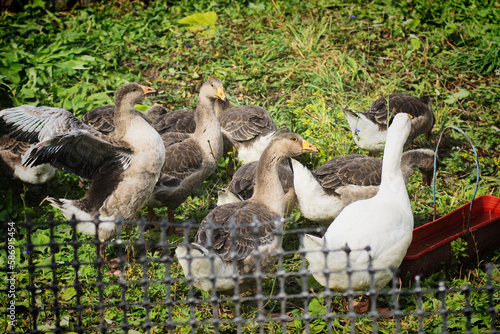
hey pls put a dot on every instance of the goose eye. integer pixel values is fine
(294, 138)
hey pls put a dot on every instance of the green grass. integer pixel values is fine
(301, 60)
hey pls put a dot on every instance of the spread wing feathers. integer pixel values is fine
(397, 102)
(35, 124)
(80, 153)
(101, 118)
(175, 121)
(244, 123)
(183, 157)
(346, 170)
(240, 241)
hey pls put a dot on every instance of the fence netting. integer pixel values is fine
(55, 280)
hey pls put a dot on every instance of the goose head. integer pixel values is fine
(213, 90)
(132, 94)
(291, 145)
(400, 127)
(422, 159)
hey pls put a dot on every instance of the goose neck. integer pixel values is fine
(392, 176)
(268, 190)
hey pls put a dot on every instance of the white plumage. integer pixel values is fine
(383, 223)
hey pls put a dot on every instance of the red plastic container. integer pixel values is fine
(431, 244)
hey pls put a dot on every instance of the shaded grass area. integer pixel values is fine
(302, 61)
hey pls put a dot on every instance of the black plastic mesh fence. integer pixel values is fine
(55, 280)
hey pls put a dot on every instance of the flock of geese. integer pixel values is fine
(158, 158)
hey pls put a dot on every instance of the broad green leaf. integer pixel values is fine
(28, 93)
(23, 302)
(68, 294)
(210, 32)
(415, 42)
(461, 94)
(450, 28)
(88, 58)
(12, 73)
(141, 107)
(412, 24)
(74, 65)
(354, 65)
(199, 21)
(36, 4)
(254, 6)
(316, 308)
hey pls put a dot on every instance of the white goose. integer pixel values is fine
(369, 129)
(384, 223)
(323, 193)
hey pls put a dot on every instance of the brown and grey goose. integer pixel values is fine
(226, 236)
(191, 157)
(322, 194)
(369, 129)
(124, 167)
(102, 118)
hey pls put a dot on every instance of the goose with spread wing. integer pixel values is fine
(369, 129)
(323, 193)
(228, 238)
(378, 231)
(124, 167)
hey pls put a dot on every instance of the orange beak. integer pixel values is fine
(221, 94)
(148, 90)
(308, 147)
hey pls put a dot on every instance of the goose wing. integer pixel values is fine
(183, 156)
(35, 124)
(240, 241)
(385, 107)
(244, 180)
(244, 123)
(346, 170)
(175, 121)
(11, 152)
(79, 152)
(101, 118)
